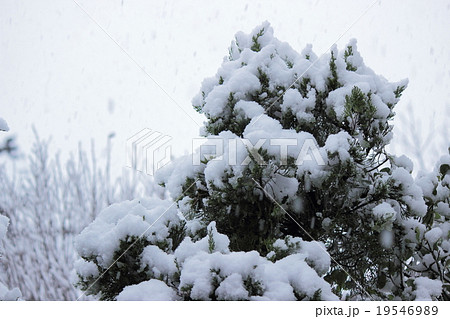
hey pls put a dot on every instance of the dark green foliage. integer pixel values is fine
(347, 53)
(443, 169)
(228, 119)
(237, 209)
(254, 287)
(398, 92)
(279, 253)
(126, 271)
(211, 243)
(256, 46)
(317, 295)
(333, 81)
(177, 233)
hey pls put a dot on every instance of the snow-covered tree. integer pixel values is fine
(182, 260)
(5, 293)
(302, 201)
(48, 203)
(428, 265)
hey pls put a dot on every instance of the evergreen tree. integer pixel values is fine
(303, 188)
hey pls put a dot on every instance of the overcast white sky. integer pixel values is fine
(62, 73)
